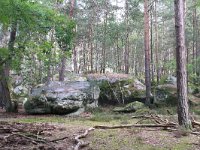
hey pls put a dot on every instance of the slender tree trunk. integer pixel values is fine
(91, 46)
(194, 39)
(104, 44)
(183, 113)
(97, 57)
(84, 57)
(75, 58)
(126, 53)
(64, 57)
(147, 52)
(152, 54)
(156, 44)
(63, 66)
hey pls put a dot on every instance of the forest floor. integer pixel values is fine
(19, 131)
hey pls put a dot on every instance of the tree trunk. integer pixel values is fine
(64, 57)
(63, 66)
(103, 67)
(147, 53)
(152, 55)
(75, 58)
(194, 40)
(156, 44)
(183, 113)
(5, 99)
(126, 53)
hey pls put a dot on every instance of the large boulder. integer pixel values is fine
(118, 88)
(62, 98)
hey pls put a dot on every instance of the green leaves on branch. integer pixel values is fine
(65, 32)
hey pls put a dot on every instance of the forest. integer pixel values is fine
(99, 74)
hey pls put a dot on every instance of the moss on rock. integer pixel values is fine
(131, 107)
(119, 92)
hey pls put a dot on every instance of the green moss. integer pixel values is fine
(119, 92)
(131, 107)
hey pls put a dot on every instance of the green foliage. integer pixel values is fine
(4, 53)
(170, 65)
(65, 32)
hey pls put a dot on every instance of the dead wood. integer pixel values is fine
(195, 123)
(81, 143)
(59, 139)
(137, 125)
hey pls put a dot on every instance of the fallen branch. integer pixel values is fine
(160, 123)
(81, 143)
(195, 123)
(137, 125)
(59, 139)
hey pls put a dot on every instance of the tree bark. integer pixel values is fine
(194, 40)
(5, 98)
(64, 57)
(126, 53)
(152, 53)
(63, 66)
(103, 68)
(156, 44)
(183, 112)
(147, 53)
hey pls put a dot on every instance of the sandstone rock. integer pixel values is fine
(62, 97)
(118, 88)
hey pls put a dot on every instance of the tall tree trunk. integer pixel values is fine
(126, 53)
(64, 57)
(103, 67)
(147, 52)
(194, 39)
(75, 57)
(152, 59)
(63, 66)
(156, 44)
(91, 46)
(183, 113)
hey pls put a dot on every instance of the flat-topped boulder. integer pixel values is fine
(62, 97)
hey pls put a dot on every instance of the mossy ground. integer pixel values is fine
(117, 139)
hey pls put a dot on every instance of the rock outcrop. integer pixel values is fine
(118, 88)
(62, 98)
